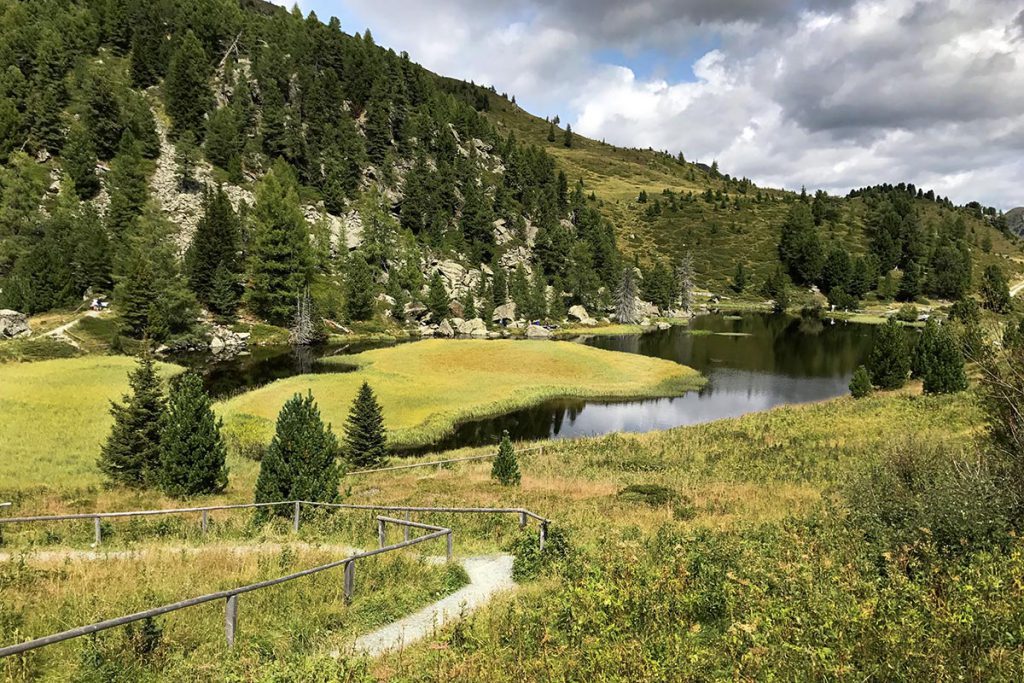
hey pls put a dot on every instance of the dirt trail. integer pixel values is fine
(488, 575)
(59, 331)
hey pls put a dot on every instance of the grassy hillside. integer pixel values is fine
(718, 235)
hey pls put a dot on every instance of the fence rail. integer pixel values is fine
(231, 596)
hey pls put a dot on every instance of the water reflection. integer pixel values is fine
(753, 362)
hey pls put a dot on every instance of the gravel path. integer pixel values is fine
(488, 575)
(1016, 289)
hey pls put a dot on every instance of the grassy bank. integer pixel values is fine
(54, 415)
(428, 387)
(300, 621)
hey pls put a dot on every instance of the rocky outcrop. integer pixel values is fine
(537, 332)
(445, 329)
(473, 328)
(13, 324)
(1015, 221)
(414, 310)
(504, 314)
(579, 314)
(225, 341)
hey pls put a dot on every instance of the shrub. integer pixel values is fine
(860, 384)
(907, 313)
(530, 561)
(505, 469)
(653, 495)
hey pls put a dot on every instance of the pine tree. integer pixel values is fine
(186, 88)
(739, 279)
(505, 469)
(215, 247)
(469, 305)
(131, 454)
(127, 187)
(551, 132)
(800, 247)
(280, 262)
(889, 361)
(860, 383)
(223, 139)
(437, 297)
(149, 55)
(103, 115)
(939, 361)
(192, 450)
(625, 297)
(223, 295)
(186, 157)
(359, 289)
(79, 159)
(684, 278)
(365, 437)
(568, 138)
(995, 290)
(308, 327)
(301, 462)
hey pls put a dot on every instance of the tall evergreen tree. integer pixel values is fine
(131, 454)
(215, 246)
(995, 290)
(103, 118)
(192, 451)
(626, 296)
(939, 361)
(79, 160)
(860, 383)
(301, 462)
(889, 361)
(127, 187)
(359, 289)
(505, 468)
(187, 88)
(800, 247)
(280, 263)
(365, 437)
(437, 297)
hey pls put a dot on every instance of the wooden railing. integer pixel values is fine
(440, 463)
(231, 596)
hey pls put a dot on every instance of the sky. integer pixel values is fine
(830, 94)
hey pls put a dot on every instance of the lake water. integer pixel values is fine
(753, 362)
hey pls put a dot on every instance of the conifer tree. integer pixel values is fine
(551, 132)
(625, 297)
(684, 279)
(939, 361)
(437, 297)
(214, 248)
(103, 115)
(860, 383)
(889, 361)
(568, 138)
(186, 156)
(301, 462)
(739, 279)
(192, 450)
(505, 468)
(131, 454)
(359, 289)
(995, 290)
(365, 437)
(187, 88)
(223, 139)
(469, 305)
(148, 53)
(127, 187)
(79, 159)
(280, 262)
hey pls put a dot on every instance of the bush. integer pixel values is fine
(920, 495)
(860, 384)
(907, 313)
(530, 561)
(653, 495)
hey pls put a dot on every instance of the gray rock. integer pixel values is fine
(474, 327)
(494, 335)
(415, 310)
(663, 325)
(578, 313)
(504, 314)
(13, 324)
(456, 309)
(537, 332)
(445, 329)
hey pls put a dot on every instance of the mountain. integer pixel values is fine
(1015, 221)
(226, 156)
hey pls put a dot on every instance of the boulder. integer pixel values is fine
(457, 309)
(504, 314)
(415, 310)
(494, 335)
(663, 325)
(13, 324)
(445, 329)
(474, 327)
(537, 332)
(578, 313)
(424, 331)
(225, 340)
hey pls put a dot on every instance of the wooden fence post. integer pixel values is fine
(405, 529)
(231, 620)
(381, 534)
(295, 521)
(350, 580)
(543, 534)
(448, 536)
(97, 530)
(206, 521)
(522, 520)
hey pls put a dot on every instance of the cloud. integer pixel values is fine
(823, 93)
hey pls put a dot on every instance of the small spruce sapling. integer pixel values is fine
(505, 469)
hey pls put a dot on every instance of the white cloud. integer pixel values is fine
(823, 93)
